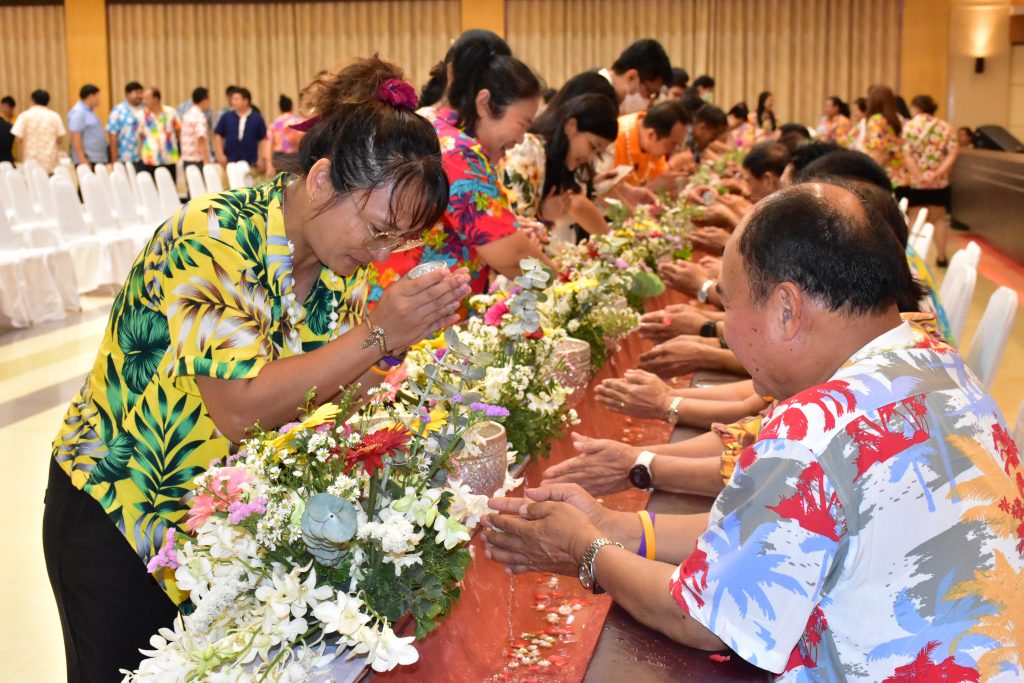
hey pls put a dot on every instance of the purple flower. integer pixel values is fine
(287, 428)
(457, 398)
(239, 512)
(489, 410)
(440, 353)
(166, 557)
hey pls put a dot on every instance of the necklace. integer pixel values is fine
(295, 311)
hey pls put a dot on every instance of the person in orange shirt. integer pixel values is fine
(646, 139)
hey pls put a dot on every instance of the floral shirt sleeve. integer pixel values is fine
(522, 175)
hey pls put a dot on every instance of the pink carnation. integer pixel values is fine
(622, 265)
(495, 313)
(166, 557)
(223, 486)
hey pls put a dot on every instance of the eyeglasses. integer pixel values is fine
(380, 240)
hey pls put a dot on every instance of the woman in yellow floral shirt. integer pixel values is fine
(240, 304)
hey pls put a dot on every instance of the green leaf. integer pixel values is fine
(646, 284)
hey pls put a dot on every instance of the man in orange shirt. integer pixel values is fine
(645, 141)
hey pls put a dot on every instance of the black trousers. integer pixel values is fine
(109, 605)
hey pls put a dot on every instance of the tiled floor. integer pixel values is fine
(40, 369)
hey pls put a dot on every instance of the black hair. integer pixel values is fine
(691, 100)
(763, 113)
(970, 131)
(200, 94)
(593, 114)
(926, 104)
(795, 129)
(477, 67)
(284, 103)
(711, 116)
(474, 42)
(547, 95)
(901, 107)
(740, 111)
(649, 59)
(845, 163)
(663, 117)
(862, 104)
(586, 83)
(373, 145)
(883, 208)
(244, 92)
(847, 261)
(705, 82)
(87, 90)
(8, 100)
(155, 92)
(680, 79)
(230, 90)
(843, 107)
(132, 86)
(802, 155)
(433, 90)
(40, 97)
(766, 157)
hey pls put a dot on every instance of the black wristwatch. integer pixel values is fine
(640, 474)
(709, 329)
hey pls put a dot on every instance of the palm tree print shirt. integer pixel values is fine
(203, 299)
(874, 531)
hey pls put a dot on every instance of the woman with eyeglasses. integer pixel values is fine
(241, 304)
(492, 99)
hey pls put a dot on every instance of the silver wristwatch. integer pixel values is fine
(588, 570)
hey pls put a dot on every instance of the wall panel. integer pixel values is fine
(33, 54)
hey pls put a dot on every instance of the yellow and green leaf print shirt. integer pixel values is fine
(203, 299)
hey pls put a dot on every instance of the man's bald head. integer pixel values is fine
(819, 237)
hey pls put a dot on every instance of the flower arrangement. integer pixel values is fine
(314, 540)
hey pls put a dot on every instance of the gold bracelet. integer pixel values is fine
(377, 336)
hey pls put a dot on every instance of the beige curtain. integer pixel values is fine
(801, 50)
(32, 54)
(270, 48)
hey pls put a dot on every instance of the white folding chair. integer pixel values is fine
(973, 251)
(6, 166)
(152, 209)
(64, 174)
(919, 221)
(130, 170)
(97, 204)
(167, 191)
(81, 171)
(36, 285)
(214, 183)
(239, 175)
(956, 292)
(922, 240)
(904, 206)
(989, 340)
(99, 259)
(38, 232)
(126, 207)
(39, 181)
(194, 180)
(103, 175)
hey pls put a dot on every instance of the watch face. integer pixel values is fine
(640, 477)
(584, 577)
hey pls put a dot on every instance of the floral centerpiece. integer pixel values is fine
(313, 541)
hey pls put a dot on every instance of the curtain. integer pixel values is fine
(800, 50)
(270, 48)
(32, 54)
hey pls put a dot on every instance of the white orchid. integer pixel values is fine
(343, 616)
(450, 531)
(392, 651)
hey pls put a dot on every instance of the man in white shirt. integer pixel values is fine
(40, 132)
(639, 74)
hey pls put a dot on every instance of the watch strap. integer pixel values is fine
(644, 458)
(588, 564)
(709, 329)
(705, 289)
